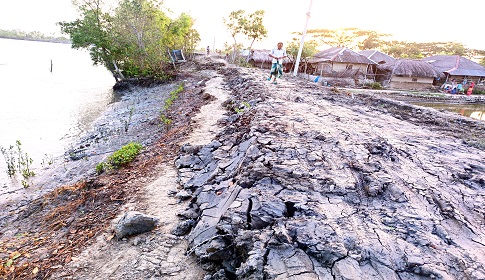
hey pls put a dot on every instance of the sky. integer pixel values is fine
(408, 20)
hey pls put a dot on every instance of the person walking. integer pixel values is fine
(470, 89)
(277, 55)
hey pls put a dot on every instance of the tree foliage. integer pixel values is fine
(347, 37)
(309, 49)
(133, 40)
(400, 49)
(355, 38)
(254, 28)
(235, 23)
(238, 23)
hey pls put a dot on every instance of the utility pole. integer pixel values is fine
(297, 63)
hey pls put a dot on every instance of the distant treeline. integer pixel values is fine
(31, 36)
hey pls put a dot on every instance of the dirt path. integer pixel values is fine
(157, 254)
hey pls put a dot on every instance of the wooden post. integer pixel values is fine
(51, 65)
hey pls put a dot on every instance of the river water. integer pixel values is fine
(47, 108)
(471, 110)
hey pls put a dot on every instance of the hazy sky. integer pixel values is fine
(410, 20)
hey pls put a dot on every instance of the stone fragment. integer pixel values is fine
(133, 222)
(183, 227)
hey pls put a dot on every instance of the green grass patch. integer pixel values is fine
(173, 96)
(124, 155)
(168, 102)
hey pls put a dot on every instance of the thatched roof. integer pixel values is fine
(410, 68)
(340, 54)
(456, 65)
(262, 56)
(377, 56)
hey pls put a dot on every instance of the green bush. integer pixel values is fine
(121, 157)
(477, 91)
(373, 85)
(100, 167)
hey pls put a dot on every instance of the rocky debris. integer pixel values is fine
(183, 227)
(312, 184)
(133, 222)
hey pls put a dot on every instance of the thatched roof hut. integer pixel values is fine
(457, 67)
(340, 55)
(340, 62)
(410, 68)
(377, 56)
(409, 73)
(260, 58)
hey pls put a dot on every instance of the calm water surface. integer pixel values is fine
(47, 110)
(476, 111)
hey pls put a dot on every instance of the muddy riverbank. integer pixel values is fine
(286, 181)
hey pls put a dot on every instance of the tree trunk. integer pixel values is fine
(117, 74)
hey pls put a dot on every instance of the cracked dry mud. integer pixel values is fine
(313, 184)
(301, 181)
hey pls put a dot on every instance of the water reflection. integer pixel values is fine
(46, 110)
(479, 115)
(475, 111)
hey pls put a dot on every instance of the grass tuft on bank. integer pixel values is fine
(123, 156)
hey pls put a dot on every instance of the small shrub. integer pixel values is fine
(100, 167)
(168, 102)
(373, 85)
(166, 121)
(243, 62)
(477, 91)
(121, 157)
(124, 155)
(18, 161)
(173, 96)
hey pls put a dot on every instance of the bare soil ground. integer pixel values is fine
(45, 230)
(66, 233)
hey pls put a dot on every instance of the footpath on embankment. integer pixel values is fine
(301, 181)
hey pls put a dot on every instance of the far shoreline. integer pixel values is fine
(47, 40)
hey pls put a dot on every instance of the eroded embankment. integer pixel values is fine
(308, 184)
(65, 233)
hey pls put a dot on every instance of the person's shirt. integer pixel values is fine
(278, 53)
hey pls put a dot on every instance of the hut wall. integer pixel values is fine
(418, 80)
(328, 68)
(338, 67)
(322, 68)
(408, 83)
